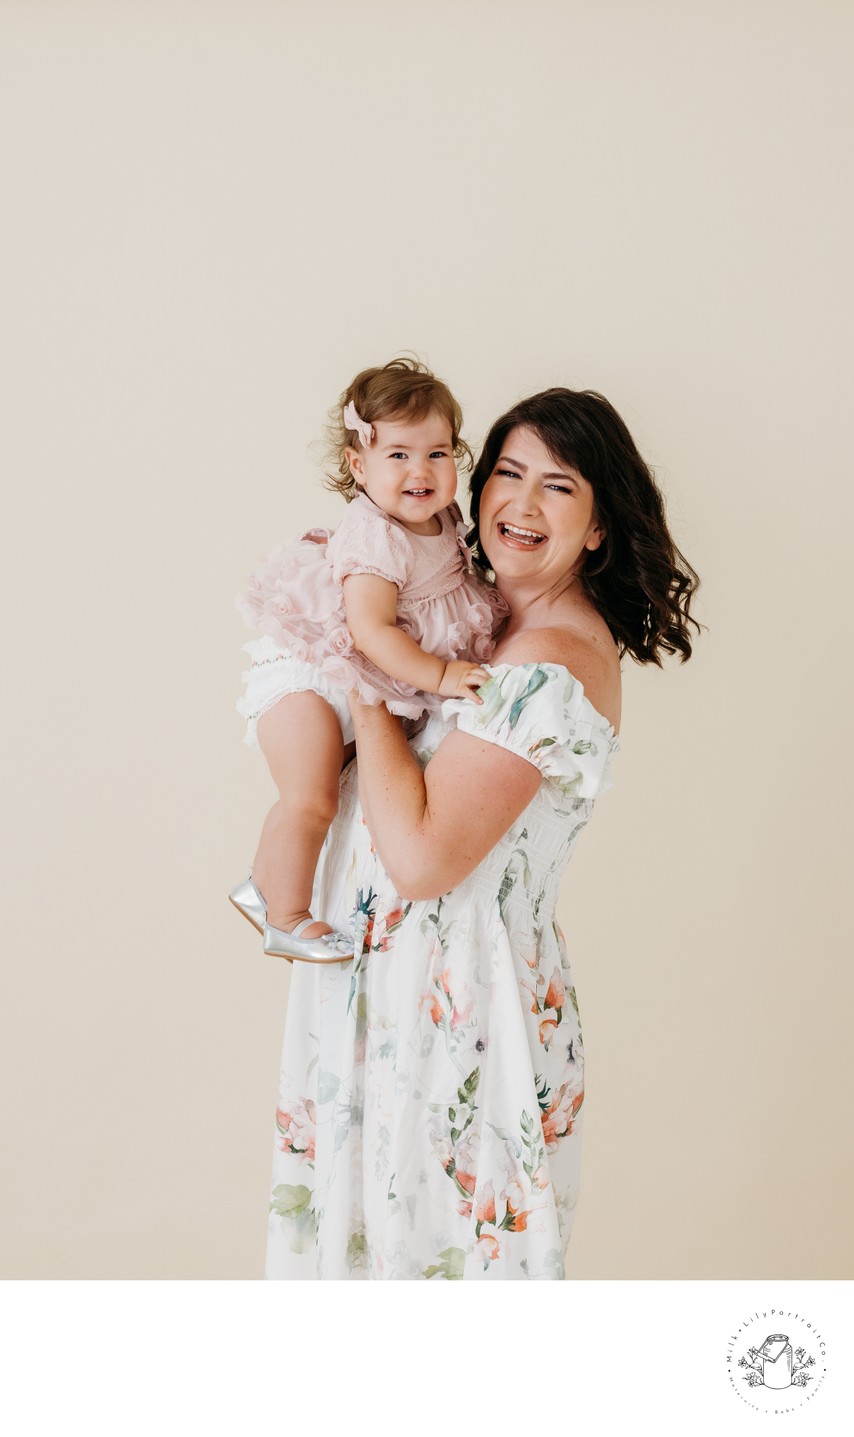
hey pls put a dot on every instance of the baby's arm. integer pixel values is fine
(371, 607)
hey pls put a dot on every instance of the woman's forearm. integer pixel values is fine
(392, 789)
(432, 827)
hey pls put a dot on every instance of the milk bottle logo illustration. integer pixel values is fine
(773, 1364)
(776, 1359)
(782, 1370)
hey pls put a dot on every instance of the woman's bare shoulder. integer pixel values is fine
(591, 657)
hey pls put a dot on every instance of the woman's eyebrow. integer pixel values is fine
(505, 459)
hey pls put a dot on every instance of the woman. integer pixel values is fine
(429, 1121)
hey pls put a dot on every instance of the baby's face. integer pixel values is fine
(408, 470)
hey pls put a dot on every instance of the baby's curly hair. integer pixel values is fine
(403, 388)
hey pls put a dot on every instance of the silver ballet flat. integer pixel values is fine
(248, 901)
(329, 948)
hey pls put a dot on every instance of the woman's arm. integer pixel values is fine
(370, 603)
(431, 829)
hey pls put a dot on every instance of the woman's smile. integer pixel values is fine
(516, 537)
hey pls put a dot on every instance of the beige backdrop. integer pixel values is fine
(215, 214)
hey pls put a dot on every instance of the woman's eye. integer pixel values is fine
(561, 488)
(508, 473)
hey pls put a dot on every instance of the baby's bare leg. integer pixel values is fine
(300, 737)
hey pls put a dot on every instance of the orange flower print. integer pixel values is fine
(392, 921)
(429, 1000)
(488, 1248)
(484, 1210)
(558, 1121)
(547, 1027)
(459, 1017)
(513, 1194)
(464, 1208)
(466, 1180)
(297, 1129)
(556, 995)
(465, 1163)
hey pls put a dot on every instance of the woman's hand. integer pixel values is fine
(460, 679)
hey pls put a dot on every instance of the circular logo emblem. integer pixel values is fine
(776, 1360)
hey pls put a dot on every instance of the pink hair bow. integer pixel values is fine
(353, 420)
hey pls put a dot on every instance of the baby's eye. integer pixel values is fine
(439, 454)
(398, 454)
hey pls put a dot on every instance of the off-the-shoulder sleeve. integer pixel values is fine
(366, 542)
(540, 712)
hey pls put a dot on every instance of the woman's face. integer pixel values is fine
(537, 514)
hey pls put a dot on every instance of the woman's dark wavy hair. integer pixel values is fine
(637, 578)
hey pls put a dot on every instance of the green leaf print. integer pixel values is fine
(582, 746)
(290, 1200)
(541, 743)
(507, 1137)
(509, 878)
(505, 889)
(357, 1250)
(451, 1266)
(535, 682)
(533, 1142)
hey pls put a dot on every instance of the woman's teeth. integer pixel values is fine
(521, 536)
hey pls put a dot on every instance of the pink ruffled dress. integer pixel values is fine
(296, 600)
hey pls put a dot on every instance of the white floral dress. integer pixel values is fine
(429, 1116)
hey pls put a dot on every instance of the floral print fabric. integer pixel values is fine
(429, 1118)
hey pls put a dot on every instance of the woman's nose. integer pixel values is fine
(528, 499)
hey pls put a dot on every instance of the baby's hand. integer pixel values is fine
(460, 679)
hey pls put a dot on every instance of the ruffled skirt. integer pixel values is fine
(293, 600)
